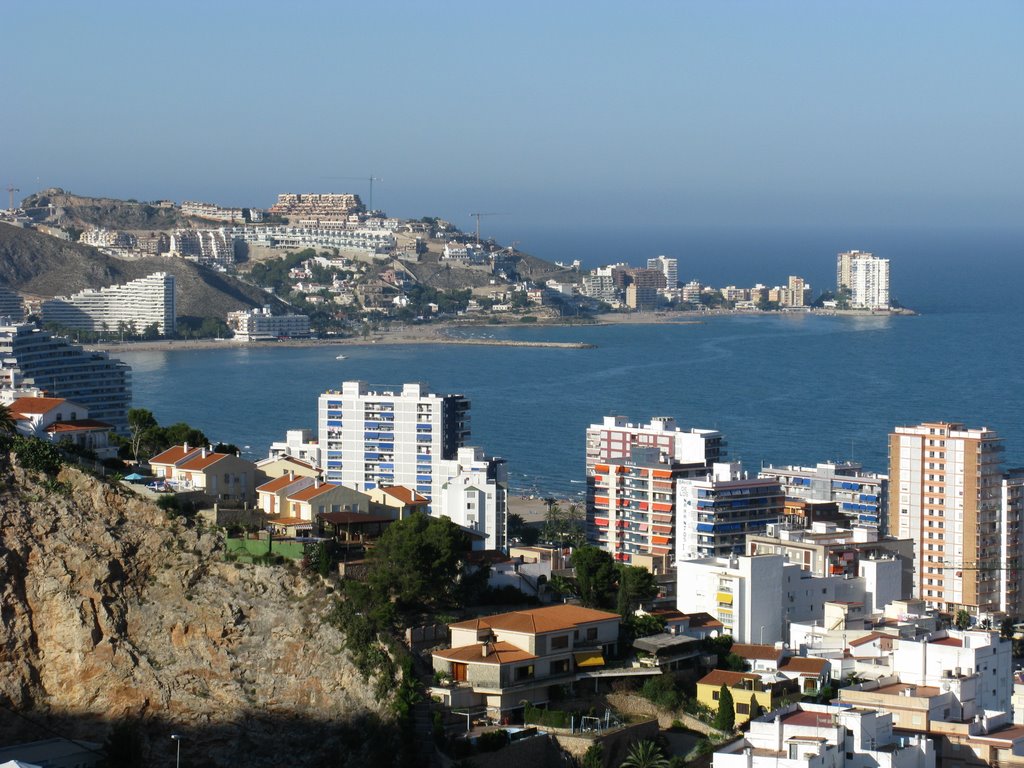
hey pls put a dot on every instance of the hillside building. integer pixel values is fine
(377, 438)
(30, 357)
(142, 303)
(317, 205)
(474, 491)
(946, 495)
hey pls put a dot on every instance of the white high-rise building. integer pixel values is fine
(390, 437)
(474, 491)
(668, 267)
(866, 277)
(30, 357)
(144, 302)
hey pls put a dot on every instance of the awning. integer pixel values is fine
(589, 659)
(725, 597)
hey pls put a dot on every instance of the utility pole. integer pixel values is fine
(11, 189)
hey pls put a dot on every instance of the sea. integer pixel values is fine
(783, 388)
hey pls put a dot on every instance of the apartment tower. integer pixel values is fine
(945, 488)
(379, 438)
(866, 277)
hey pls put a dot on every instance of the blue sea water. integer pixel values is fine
(784, 389)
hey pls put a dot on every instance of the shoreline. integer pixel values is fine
(439, 333)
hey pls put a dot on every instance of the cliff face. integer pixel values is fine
(110, 611)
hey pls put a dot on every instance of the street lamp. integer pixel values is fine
(177, 760)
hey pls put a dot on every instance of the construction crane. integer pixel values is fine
(371, 179)
(477, 217)
(11, 189)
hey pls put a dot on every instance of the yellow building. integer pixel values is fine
(745, 687)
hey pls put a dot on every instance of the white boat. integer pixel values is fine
(341, 357)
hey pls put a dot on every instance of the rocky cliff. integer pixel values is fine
(110, 612)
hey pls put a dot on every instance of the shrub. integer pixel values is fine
(492, 741)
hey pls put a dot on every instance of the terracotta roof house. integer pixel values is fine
(62, 421)
(498, 662)
(746, 689)
(399, 500)
(220, 476)
(299, 512)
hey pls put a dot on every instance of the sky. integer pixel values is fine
(557, 115)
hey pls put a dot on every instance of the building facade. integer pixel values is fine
(866, 277)
(860, 496)
(142, 303)
(668, 267)
(33, 358)
(257, 324)
(474, 495)
(946, 486)
(371, 438)
(716, 512)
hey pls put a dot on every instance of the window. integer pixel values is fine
(592, 634)
(742, 709)
(714, 695)
(524, 673)
(562, 641)
(559, 667)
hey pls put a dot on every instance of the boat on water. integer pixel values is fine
(341, 357)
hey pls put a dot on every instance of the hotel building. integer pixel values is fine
(390, 437)
(632, 471)
(716, 512)
(946, 495)
(668, 267)
(143, 302)
(867, 278)
(30, 357)
(256, 324)
(860, 496)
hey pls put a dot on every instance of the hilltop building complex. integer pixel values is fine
(142, 303)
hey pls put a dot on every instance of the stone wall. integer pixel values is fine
(637, 706)
(615, 742)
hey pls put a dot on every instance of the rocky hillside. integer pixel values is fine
(113, 613)
(43, 266)
(64, 209)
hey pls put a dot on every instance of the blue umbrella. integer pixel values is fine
(134, 476)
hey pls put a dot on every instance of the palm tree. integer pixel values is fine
(8, 426)
(644, 754)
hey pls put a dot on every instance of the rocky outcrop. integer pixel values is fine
(110, 611)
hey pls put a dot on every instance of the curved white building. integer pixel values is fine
(143, 302)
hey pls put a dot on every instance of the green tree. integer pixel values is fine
(563, 526)
(644, 754)
(756, 710)
(635, 585)
(518, 529)
(8, 426)
(1005, 626)
(641, 625)
(142, 425)
(596, 577)
(593, 757)
(962, 620)
(725, 720)
(417, 561)
(177, 434)
(843, 296)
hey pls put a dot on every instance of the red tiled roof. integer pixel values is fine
(539, 620)
(498, 653)
(704, 620)
(809, 719)
(35, 405)
(312, 491)
(803, 665)
(951, 642)
(289, 521)
(755, 651)
(404, 494)
(288, 459)
(282, 482)
(867, 639)
(720, 677)
(199, 462)
(82, 425)
(172, 455)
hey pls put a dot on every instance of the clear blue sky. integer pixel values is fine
(554, 113)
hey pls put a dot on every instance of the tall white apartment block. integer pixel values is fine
(615, 438)
(372, 438)
(867, 278)
(1011, 553)
(945, 494)
(143, 302)
(668, 267)
(474, 494)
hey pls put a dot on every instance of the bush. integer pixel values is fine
(38, 455)
(661, 690)
(492, 741)
(552, 718)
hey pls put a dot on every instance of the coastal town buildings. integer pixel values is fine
(757, 598)
(12, 307)
(866, 277)
(213, 212)
(499, 663)
(632, 470)
(31, 357)
(326, 205)
(668, 267)
(219, 476)
(316, 235)
(298, 444)
(371, 438)
(716, 512)
(474, 491)
(946, 482)
(860, 496)
(259, 324)
(62, 421)
(211, 247)
(140, 303)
